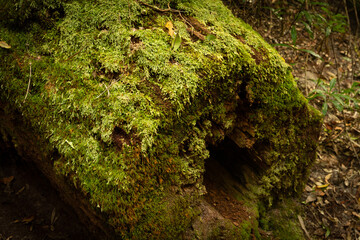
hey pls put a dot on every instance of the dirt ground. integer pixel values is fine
(29, 207)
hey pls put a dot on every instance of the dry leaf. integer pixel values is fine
(327, 177)
(319, 232)
(319, 192)
(310, 198)
(169, 25)
(3, 44)
(338, 128)
(308, 188)
(53, 216)
(356, 214)
(27, 220)
(7, 180)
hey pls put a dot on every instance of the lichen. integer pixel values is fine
(110, 64)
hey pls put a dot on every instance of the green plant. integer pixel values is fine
(318, 19)
(322, 20)
(343, 99)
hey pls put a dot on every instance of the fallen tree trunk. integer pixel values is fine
(121, 104)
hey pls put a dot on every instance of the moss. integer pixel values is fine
(282, 220)
(18, 13)
(245, 231)
(109, 64)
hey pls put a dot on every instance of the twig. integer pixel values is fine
(350, 41)
(336, 62)
(186, 21)
(28, 87)
(129, 11)
(357, 19)
(271, 23)
(306, 80)
(74, 54)
(295, 19)
(107, 88)
(301, 221)
(159, 9)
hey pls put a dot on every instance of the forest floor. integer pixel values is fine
(331, 199)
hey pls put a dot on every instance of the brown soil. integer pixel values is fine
(221, 198)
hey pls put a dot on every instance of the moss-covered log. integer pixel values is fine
(119, 102)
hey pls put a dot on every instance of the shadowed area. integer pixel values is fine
(29, 207)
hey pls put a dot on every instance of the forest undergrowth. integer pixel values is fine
(320, 40)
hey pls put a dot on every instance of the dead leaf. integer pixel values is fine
(3, 44)
(311, 198)
(169, 25)
(319, 232)
(308, 188)
(356, 214)
(28, 220)
(327, 177)
(319, 192)
(343, 167)
(7, 180)
(53, 217)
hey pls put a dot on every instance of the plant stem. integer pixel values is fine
(28, 87)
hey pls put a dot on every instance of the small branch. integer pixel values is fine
(301, 221)
(107, 88)
(28, 87)
(306, 80)
(295, 19)
(74, 54)
(159, 9)
(196, 33)
(357, 19)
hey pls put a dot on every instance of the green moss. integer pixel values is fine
(282, 220)
(109, 64)
(245, 231)
(18, 12)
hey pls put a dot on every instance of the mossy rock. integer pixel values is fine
(118, 115)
